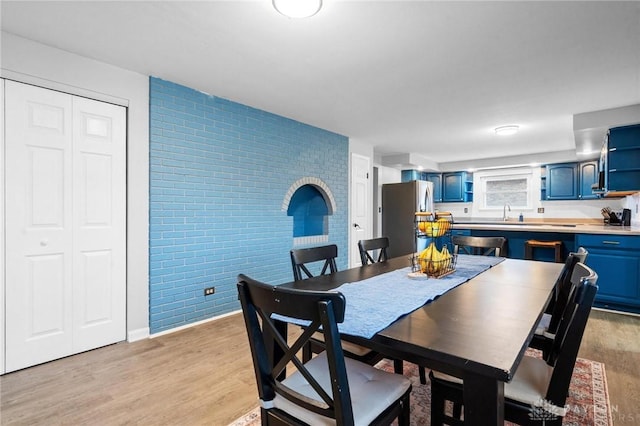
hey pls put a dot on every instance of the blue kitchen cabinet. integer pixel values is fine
(436, 179)
(616, 260)
(468, 187)
(409, 175)
(454, 187)
(588, 173)
(623, 159)
(562, 181)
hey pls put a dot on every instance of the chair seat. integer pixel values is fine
(372, 391)
(360, 351)
(528, 386)
(543, 325)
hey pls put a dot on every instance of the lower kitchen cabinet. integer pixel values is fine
(616, 260)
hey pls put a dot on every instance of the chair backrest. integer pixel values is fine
(563, 287)
(367, 246)
(566, 344)
(301, 257)
(324, 309)
(485, 246)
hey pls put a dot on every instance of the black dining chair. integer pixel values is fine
(300, 258)
(486, 246)
(548, 324)
(369, 248)
(538, 391)
(326, 256)
(328, 389)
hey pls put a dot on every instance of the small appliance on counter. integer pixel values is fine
(612, 218)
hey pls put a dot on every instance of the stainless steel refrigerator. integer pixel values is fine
(400, 202)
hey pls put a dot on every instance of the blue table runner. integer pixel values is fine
(374, 303)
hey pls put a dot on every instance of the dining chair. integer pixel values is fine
(548, 324)
(328, 389)
(368, 248)
(382, 243)
(486, 246)
(538, 390)
(315, 345)
(300, 258)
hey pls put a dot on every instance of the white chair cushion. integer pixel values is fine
(372, 391)
(543, 325)
(346, 346)
(529, 384)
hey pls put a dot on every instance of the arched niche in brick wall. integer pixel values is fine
(309, 201)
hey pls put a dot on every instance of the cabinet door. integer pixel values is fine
(624, 159)
(562, 181)
(588, 176)
(453, 186)
(436, 178)
(617, 275)
(616, 260)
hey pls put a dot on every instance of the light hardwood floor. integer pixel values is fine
(203, 376)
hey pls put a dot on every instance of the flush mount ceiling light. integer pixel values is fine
(507, 130)
(297, 8)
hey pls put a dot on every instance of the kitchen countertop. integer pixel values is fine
(560, 227)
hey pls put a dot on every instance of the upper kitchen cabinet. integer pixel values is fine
(456, 188)
(622, 160)
(436, 179)
(450, 187)
(588, 175)
(569, 181)
(562, 181)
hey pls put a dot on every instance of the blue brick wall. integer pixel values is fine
(219, 174)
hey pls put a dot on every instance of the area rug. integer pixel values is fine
(587, 403)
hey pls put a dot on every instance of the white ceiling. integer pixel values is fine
(428, 78)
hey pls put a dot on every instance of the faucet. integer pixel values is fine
(504, 212)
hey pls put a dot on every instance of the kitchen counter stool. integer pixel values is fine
(529, 245)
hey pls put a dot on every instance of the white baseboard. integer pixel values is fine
(193, 324)
(139, 334)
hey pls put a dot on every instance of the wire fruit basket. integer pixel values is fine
(433, 262)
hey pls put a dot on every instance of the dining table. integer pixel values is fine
(478, 330)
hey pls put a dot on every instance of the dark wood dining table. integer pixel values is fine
(477, 331)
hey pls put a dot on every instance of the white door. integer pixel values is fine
(360, 208)
(65, 224)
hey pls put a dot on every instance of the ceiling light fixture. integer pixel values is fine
(507, 130)
(297, 8)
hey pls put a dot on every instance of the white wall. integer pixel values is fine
(29, 62)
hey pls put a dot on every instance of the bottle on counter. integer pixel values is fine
(520, 218)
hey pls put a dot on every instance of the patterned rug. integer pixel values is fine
(587, 403)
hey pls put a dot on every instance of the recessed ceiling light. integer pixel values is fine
(297, 8)
(507, 130)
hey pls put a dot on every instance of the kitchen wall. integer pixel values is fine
(220, 171)
(632, 203)
(567, 209)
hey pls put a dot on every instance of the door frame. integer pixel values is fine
(2, 228)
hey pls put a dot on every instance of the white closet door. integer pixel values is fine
(99, 223)
(57, 284)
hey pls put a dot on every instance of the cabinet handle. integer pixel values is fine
(613, 149)
(613, 170)
(615, 243)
